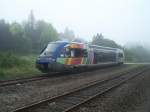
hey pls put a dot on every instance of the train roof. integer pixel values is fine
(102, 47)
(67, 42)
(58, 42)
(90, 45)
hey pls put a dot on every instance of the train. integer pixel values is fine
(61, 56)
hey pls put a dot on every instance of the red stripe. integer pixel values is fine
(76, 61)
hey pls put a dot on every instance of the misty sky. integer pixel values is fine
(120, 20)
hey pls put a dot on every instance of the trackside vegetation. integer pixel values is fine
(13, 66)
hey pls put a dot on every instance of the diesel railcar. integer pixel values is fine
(62, 56)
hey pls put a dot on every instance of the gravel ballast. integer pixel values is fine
(15, 96)
(133, 96)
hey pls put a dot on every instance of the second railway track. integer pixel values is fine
(28, 79)
(35, 78)
(77, 97)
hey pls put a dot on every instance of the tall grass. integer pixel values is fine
(12, 65)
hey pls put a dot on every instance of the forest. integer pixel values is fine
(31, 36)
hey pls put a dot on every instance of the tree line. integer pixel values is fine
(133, 53)
(32, 35)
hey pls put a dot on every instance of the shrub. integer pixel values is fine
(8, 60)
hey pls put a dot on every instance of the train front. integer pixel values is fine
(46, 62)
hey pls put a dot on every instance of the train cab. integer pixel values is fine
(120, 56)
(48, 57)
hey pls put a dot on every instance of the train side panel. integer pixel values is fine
(68, 56)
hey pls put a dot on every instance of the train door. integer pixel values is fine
(62, 59)
(91, 56)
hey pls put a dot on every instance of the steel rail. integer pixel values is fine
(100, 82)
(103, 92)
(26, 79)
(34, 78)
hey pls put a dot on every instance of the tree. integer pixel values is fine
(5, 36)
(20, 43)
(39, 32)
(31, 20)
(67, 35)
(16, 29)
(137, 54)
(45, 33)
(29, 30)
(101, 41)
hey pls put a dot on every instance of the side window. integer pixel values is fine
(62, 53)
(75, 53)
(67, 52)
(72, 51)
(78, 53)
(120, 55)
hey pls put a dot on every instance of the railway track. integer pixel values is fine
(28, 79)
(69, 101)
(34, 78)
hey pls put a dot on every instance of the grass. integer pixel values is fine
(15, 66)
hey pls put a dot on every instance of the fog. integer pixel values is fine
(124, 21)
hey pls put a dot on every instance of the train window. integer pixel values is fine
(100, 56)
(85, 53)
(50, 49)
(67, 54)
(112, 56)
(120, 55)
(62, 53)
(78, 53)
(72, 51)
(96, 58)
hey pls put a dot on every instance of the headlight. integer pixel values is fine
(51, 59)
(38, 59)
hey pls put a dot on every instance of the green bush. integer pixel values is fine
(8, 60)
(15, 65)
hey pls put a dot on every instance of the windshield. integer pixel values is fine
(50, 49)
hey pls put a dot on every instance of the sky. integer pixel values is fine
(124, 21)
